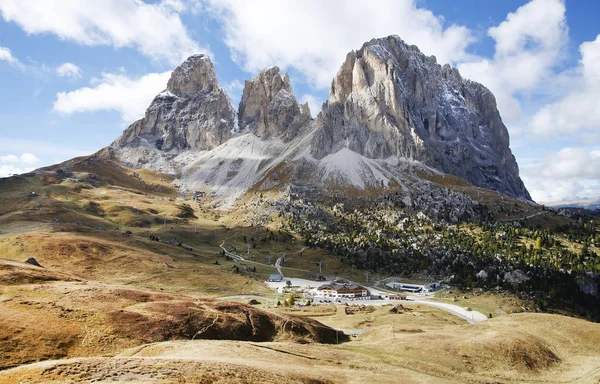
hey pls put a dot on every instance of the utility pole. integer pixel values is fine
(320, 267)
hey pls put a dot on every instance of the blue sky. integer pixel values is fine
(75, 73)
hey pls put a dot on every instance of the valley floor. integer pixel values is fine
(411, 356)
(111, 303)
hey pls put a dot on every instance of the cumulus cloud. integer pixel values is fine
(25, 158)
(7, 170)
(15, 164)
(6, 55)
(291, 34)
(155, 30)
(578, 110)
(314, 36)
(192, 6)
(528, 45)
(118, 92)
(571, 173)
(69, 70)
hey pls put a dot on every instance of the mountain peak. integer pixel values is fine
(389, 99)
(194, 113)
(390, 106)
(269, 106)
(196, 74)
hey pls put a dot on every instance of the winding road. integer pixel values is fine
(470, 316)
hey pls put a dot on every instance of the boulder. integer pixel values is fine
(33, 261)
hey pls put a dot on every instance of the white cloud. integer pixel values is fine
(9, 159)
(573, 162)
(578, 110)
(68, 70)
(25, 158)
(14, 164)
(117, 92)
(180, 6)
(314, 36)
(528, 45)
(571, 173)
(155, 30)
(537, 25)
(7, 170)
(29, 158)
(6, 55)
(313, 103)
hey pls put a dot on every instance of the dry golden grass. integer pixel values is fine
(57, 319)
(520, 348)
(102, 291)
(114, 258)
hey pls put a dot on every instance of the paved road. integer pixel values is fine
(471, 316)
(296, 282)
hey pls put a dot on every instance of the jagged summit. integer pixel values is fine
(269, 107)
(193, 113)
(389, 99)
(392, 113)
(194, 75)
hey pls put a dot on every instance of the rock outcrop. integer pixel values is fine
(269, 107)
(192, 113)
(389, 99)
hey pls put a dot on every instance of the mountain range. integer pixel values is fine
(393, 117)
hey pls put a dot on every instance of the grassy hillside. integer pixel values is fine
(132, 271)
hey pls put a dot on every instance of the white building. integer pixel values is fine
(338, 290)
(411, 287)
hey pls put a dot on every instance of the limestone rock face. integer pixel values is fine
(195, 75)
(389, 99)
(192, 113)
(391, 110)
(269, 107)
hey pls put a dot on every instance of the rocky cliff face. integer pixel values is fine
(391, 111)
(269, 107)
(388, 99)
(193, 113)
